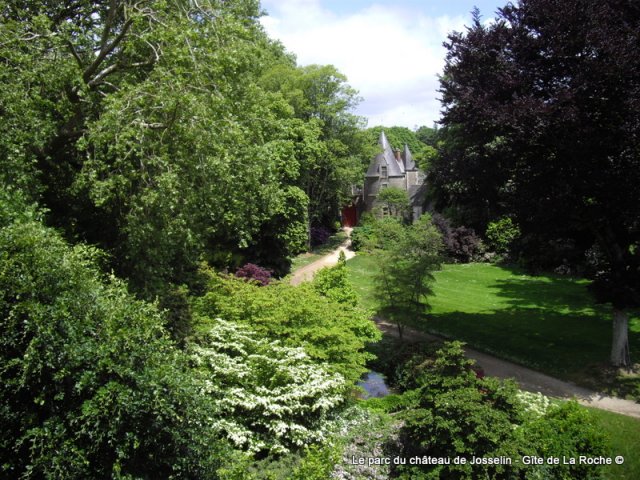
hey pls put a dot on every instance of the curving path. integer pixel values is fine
(307, 272)
(527, 379)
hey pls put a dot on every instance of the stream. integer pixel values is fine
(374, 385)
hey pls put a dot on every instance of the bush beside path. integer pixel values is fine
(527, 379)
(307, 272)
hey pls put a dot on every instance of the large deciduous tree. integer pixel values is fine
(90, 384)
(321, 97)
(149, 128)
(542, 122)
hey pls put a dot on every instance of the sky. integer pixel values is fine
(390, 50)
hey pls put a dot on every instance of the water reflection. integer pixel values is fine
(374, 385)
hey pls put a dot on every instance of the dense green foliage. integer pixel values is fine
(406, 271)
(172, 132)
(374, 233)
(428, 135)
(90, 384)
(322, 99)
(158, 137)
(461, 415)
(148, 144)
(501, 234)
(567, 431)
(333, 283)
(329, 328)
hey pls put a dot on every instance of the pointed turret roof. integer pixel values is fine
(409, 164)
(386, 157)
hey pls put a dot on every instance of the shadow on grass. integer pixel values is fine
(572, 347)
(550, 323)
(547, 321)
(549, 292)
(559, 341)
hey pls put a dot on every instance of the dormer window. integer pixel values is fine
(383, 171)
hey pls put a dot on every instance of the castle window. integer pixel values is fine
(383, 171)
(384, 185)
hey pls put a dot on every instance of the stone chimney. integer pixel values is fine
(398, 157)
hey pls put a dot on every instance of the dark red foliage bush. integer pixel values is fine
(251, 271)
(461, 243)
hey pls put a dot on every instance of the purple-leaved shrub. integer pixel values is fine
(461, 243)
(251, 271)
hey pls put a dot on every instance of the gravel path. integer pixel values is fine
(528, 379)
(307, 272)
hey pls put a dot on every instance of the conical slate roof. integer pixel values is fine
(386, 157)
(409, 164)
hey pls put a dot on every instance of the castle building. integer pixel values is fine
(391, 168)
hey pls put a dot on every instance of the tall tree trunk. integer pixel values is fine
(620, 346)
(620, 261)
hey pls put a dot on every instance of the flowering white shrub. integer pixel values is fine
(535, 404)
(271, 397)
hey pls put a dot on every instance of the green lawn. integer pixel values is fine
(624, 433)
(318, 252)
(549, 322)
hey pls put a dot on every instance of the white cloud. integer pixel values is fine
(392, 55)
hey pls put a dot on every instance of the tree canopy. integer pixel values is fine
(168, 133)
(541, 123)
(398, 137)
(146, 143)
(91, 385)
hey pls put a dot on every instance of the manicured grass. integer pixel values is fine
(624, 433)
(361, 270)
(550, 323)
(318, 252)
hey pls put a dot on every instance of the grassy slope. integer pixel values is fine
(550, 323)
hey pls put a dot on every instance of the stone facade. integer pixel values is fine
(394, 169)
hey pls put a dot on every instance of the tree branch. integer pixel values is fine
(106, 31)
(75, 54)
(96, 80)
(103, 54)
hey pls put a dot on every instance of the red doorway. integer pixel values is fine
(349, 216)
